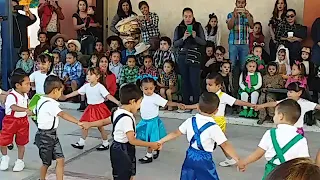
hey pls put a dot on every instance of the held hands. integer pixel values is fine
(63, 97)
(155, 145)
(241, 166)
(258, 107)
(182, 106)
(29, 112)
(84, 125)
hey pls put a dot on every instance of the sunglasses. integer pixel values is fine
(290, 16)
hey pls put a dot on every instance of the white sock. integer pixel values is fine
(82, 142)
(105, 142)
(19, 160)
(149, 155)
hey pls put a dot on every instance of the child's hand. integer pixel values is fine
(161, 145)
(84, 125)
(182, 106)
(155, 145)
(258, 107)
(63, 97)
(29, 112)
(241, 166)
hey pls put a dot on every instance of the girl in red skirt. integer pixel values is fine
(96, 94)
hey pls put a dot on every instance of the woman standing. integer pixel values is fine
(149, 25)
(212, 30)
(278, 15)
(84, 27)
(189, 38)
(50, 15)
(124, 11)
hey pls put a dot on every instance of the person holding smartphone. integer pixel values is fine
(50, 14)
(20, 25)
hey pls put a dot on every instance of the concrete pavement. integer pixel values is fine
(89, 164)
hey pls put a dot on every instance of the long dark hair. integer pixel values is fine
(276, 12)
(85, 2)
(120, 11)
(43, 58)
(296, 87)
(209, 27)
(108, 72)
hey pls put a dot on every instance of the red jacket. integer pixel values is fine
(45, 13)
(111, 84)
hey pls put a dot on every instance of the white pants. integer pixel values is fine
(254, 96)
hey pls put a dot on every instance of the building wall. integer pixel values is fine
(311, 12)
(170, 12)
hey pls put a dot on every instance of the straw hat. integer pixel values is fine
(76, 43)
(125, 21)
(141, 47)
(128, 39)
(57, 36)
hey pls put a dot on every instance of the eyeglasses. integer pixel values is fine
(290, 16)
(218, 54)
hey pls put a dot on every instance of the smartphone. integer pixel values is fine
(241, 10)
(189, 28)
(18, 8)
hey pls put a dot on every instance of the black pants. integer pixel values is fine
(49, 146)
(273, 50)
(123, 160)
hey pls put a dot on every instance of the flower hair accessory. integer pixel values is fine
(46, 52)
(144, 76)
(252, 57)
(297, 62)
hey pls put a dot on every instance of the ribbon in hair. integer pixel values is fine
(46, 52)
(144, 76)
(297, 62)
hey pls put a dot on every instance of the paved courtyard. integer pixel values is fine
(89, 164)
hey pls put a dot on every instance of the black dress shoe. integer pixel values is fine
(77, 146)
(102, 148)
(155, 156)
(145, 160)
(10, 146)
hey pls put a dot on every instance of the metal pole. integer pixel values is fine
(7, 42)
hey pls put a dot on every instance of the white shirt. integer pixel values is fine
(38, 78)
(284, 134)
(149, 108)
(305, 106)
(123, 126)
(95, 94)
(46, 114)
(208, 137)
(225, 100)
(11, 100)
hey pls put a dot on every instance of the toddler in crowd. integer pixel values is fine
(25, 63)
(123, 151)
(212, 30)
(114, 44)
(37, 78)
(283, 61)
(57, 64)
(96, 94)
(142, 50)
(148, 67)
(43, 46)
(250, 82)
(73, 72)
(59, 42)
(202, 133)
(298, 93)
(168, 81)
(306, 60)
(98, 50)
(257, 51)
(256, 37)
(48, 112)
(163, 53)
(129, 43)
(151, 128)
(298, 74)
(271, 80)
(15, 123)
(74, 46)
(130, 71)
(115, 66)
(93, 59)
(225, 71)
(283, 143)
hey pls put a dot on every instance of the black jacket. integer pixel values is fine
(20, 33)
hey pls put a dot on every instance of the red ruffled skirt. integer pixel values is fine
(95, 112)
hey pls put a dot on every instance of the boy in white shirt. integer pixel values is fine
(122, 151)
(48, 112)
(15, 122)
(202, 133)
(283, 143)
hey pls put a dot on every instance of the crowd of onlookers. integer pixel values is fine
(181, 64)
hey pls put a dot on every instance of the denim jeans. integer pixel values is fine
(238, 52)
(190, 75)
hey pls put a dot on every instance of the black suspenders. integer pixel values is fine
(37, 111)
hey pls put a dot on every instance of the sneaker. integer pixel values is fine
(77, 146)
(228, 162)
(145, 160)
(18, 166)
(4, 165)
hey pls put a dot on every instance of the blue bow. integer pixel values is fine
(141, 77)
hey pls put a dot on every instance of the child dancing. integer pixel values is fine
(96, 94)
(202, 133)
(151, 128)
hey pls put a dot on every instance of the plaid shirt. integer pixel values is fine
(27, 66)
(282, 31)
(165, 78)
(74, 71)
(58, 70)
(129, 75)
(149, 29)
(161, 56)
(152, 71)
(240, 32)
